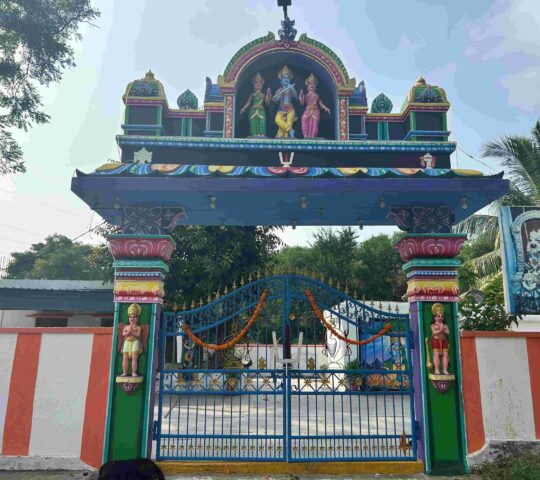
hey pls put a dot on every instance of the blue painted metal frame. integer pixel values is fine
(244, 405)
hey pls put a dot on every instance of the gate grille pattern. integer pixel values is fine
(337, 403)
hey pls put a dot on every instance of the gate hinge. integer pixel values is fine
(155, 430)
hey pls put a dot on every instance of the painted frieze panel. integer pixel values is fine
(520, 235)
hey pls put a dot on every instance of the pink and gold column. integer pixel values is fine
(140, 263)
(433, 294)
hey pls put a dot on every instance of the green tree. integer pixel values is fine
(379, 269)
(56, 258)
(335, 255)
(35, 49)
(208, 259)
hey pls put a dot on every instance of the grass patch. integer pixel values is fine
(524, 466)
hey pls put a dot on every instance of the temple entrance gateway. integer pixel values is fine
(286, 137)
(285, 368)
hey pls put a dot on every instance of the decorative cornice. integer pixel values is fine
(306, 46)
(423, 219)
(432, 262)
(430, 246)
(296, 145)
(124, 247)
(230, 171)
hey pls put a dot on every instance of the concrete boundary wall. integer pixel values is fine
(501, 391)
(53, 397)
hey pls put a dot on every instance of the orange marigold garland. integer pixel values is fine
(230, 343)
(319, 314)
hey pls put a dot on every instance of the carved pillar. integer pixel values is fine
(140, 267)
(228, 127)
(432, 289)
(343, 120)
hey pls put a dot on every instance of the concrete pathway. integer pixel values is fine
(9, 475)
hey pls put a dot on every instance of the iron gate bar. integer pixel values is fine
(232, 413)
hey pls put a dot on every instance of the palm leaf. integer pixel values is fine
(478, 225)
(521, 157)
(488, 264)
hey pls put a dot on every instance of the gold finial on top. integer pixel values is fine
(421, 81)
(257, 78)
(149, 75)
(312, 78)
(285, 71)
(134, 309)
(437, 308)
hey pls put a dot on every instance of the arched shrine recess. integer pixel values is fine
(266, 55)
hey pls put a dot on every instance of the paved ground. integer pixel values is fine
(93, 476)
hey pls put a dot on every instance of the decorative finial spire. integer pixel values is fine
(149, 75)
(421, 81)
(287, 32)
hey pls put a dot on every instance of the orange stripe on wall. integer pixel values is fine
(533, 351)
(471, 395)
(22, 387)
(95, 411)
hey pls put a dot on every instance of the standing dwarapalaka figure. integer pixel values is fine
(256, 103)
(312, 114)
(286, 115)
(439, 340)
(132, 340)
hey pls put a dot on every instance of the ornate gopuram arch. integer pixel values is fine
(330, 159)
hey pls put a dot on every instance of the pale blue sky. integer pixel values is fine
(485, 53)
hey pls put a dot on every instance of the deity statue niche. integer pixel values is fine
(286, 115)
(439, 346)
(312, 113)
(256, 103)
(132, 342)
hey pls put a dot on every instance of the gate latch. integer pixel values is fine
(154, 430)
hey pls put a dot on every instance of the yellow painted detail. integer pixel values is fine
(433, 287)
(283, 468)
(468, 172)
(164, 167)
(108, 166)
(221, 168)
(138, 287)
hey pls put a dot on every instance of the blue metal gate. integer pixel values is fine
(285, 368)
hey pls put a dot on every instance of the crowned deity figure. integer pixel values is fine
(284, 95)
(312, 114)
(256, 103)
(132, 340)
(439, 339)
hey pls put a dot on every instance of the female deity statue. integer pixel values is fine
(286, 115)
(439, 340)
(256, 103)
(312, 114)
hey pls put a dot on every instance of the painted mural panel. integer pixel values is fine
(520, 240)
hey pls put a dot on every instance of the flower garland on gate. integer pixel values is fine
(235, 340)
(319, 314)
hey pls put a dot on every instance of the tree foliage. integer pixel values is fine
(58, 258)
(208, 259)
(35, 49)
(520, 156)
(372, 268)
(488, 313)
